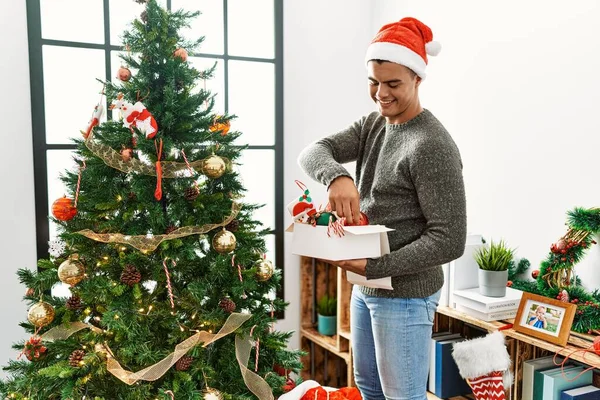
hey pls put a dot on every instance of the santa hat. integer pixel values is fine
(406, 42)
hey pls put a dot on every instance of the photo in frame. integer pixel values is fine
(545, 318)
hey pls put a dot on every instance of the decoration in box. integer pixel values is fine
(303, 211)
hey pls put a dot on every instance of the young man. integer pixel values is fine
(409, 178)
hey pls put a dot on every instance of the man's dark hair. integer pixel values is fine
(413, 73)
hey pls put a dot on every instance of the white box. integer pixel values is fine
(367, 241)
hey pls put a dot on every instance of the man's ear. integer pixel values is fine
(418, 79)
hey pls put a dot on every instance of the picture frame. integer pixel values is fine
(545, 318)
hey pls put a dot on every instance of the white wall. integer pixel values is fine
(517, 85)
(324, 91)
(17, 219)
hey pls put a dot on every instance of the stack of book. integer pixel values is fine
(444, 378)
(471, 302)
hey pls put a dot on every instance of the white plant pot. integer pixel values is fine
(493, 283)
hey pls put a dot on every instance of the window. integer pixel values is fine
(73, 42)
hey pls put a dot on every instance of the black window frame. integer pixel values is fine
(40, 147)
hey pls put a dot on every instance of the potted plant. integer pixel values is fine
(327, 310)
(493, 264)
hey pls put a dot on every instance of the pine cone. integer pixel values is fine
(141, 1)
(130, 275)
(184, 363)
(227, 304)
(74, 303)
(76, 358)
(170, 229)
(233, 226)
(144, 16)
(191, 193)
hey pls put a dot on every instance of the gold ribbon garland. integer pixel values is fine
(150, 243)
(254, 382)
(170, 169)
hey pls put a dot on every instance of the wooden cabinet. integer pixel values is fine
(329, 359)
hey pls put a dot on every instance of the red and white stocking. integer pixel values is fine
(488, 387)
(485, 364)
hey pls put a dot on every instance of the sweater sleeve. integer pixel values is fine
(436, 172)
(323, 159)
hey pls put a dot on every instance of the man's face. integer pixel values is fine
(393, 87)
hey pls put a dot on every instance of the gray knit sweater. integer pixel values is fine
(409, 177)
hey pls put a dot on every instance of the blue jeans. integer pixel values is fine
(391, 339)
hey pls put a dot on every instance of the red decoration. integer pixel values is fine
(535, 273)
(597, 345)
(34, 349)
(181, 54)
(279, 370)
(364, 220)
(509, 283)
(289, 385)
(126, 154)
(563, 296)
(63, 209)
(220, 126)
(319, 393)
(124, 74)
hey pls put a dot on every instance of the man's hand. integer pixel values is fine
(343, 199)
(358, 266)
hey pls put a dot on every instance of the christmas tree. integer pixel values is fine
(171, 294)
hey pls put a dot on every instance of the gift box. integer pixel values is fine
(323, 235)
(369, 241)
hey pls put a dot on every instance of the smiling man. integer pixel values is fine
(408, 178)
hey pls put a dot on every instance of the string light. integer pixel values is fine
(119, 198)
(105, 258)
(141, 310)
(117, 316)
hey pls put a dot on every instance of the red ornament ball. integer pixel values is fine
(63, 209)
(124, 74)
(289, 385)
(509, 284)
(126, 154)
(181, 54)
(364, 220)
(561, 244)
(535, 273)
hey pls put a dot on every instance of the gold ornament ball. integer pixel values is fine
(264, 270)
(212, 394)
(224, 242)
(41, 314)
(214, 167)
(71, 272)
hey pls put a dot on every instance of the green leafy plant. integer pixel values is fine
(327, 306)
(497, 257)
